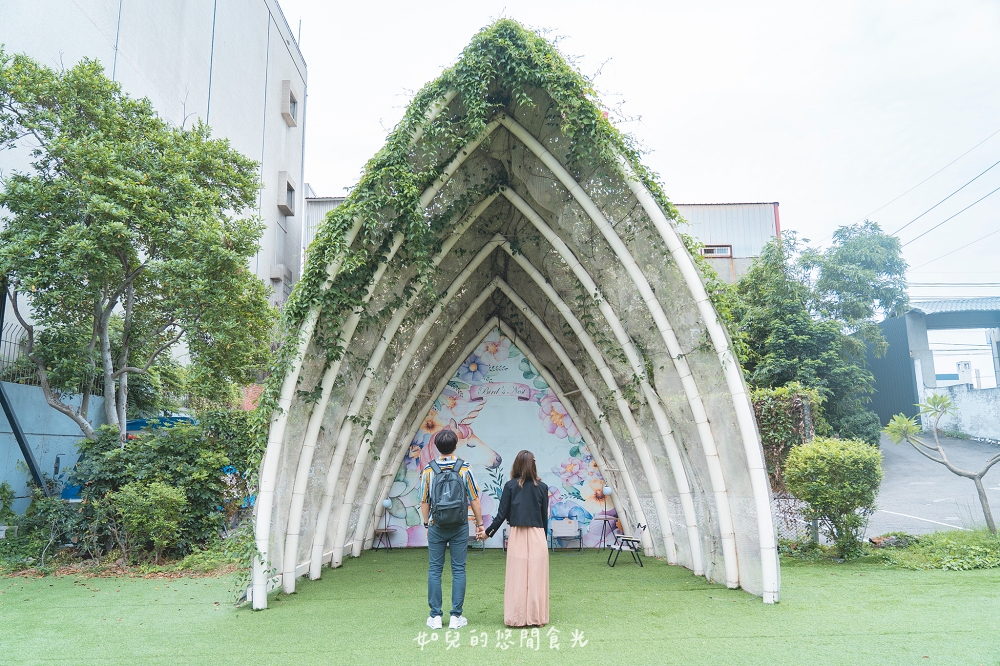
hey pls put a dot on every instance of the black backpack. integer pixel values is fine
(448, 490)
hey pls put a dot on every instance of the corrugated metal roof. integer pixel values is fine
(959, 305)
(745, 226)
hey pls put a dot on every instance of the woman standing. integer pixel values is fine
(525, 503)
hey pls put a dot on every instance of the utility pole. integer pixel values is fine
(15, 425)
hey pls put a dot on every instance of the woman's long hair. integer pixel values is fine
(524, 469)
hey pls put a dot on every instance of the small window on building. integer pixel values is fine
(713, 251)
(289, 104)
(286, 193)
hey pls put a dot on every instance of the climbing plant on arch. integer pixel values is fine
(505, 199)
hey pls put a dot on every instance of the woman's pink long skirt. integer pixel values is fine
(526, 589)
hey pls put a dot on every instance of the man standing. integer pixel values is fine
(447, 488)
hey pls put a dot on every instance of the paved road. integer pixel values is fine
(920, 496)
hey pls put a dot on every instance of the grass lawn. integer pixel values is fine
(371, 610)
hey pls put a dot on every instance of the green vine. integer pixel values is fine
(499, 70)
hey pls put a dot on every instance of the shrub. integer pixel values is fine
(839, 480)
(183, 456)
(37, 536)
(863, 425)
(150, 515)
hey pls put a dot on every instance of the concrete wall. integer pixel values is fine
(978, 411)
(51, 436)
(223, 61)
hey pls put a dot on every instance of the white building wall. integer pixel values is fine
(746, 227)
(316, 210)
(978, 411)
(223, 61)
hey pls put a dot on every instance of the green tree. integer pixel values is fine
(806, 316)
(126, 238)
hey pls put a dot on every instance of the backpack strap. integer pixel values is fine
(437, 470)
(458, 470)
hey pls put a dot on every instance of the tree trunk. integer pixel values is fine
(986, 504)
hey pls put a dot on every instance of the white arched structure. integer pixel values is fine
(576, 262)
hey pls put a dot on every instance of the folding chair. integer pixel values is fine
(565, 528)
(632, 544)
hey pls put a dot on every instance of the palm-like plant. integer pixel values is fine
(902, 429)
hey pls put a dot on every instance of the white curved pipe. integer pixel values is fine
(666, 435)
(333, 474)
(404, 443)
(771, 572)
(348, 500)
(263, 507)
(666, 333)
(616, 500)
(293, 526)
(279, 420)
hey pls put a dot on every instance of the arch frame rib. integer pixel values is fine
(263, 509)
(397, 458)
(637, 365)
(290, 553)
(333, 474)
(641, 284)
(362, 530)
(348, 500)
(771, 572)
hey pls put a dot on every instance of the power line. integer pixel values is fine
(922, 182)
(954, 284)
(942, 201)
(992, 233)
(932, 175)
(950, 218)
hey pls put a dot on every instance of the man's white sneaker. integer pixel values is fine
(457, 622)
(435, 622)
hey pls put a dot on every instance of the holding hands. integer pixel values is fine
(480, 533)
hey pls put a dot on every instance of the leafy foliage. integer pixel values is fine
(186, 457)
(150, 514)
(787, 417)
(126, 239)
(504, 66)
(839, 479)
(806, 316)
(952, 550)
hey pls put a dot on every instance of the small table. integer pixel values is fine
(607, 528)
(383, 533)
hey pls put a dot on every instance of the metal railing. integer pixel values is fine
(15, 367)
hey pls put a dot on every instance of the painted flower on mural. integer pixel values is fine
(453, 401)
(593, 497)
(495, 348)
(474, 370)
(556, 418)
(413, 454)
(431, 423)
(568, 509)
(571, 471)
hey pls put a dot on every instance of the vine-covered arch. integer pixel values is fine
(505, 204)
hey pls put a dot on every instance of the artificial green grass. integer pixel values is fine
(371, 610)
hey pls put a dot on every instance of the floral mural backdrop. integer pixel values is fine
(498, 404)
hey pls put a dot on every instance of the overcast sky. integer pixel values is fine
(831, 109)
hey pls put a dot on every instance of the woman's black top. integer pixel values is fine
(526, 506)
